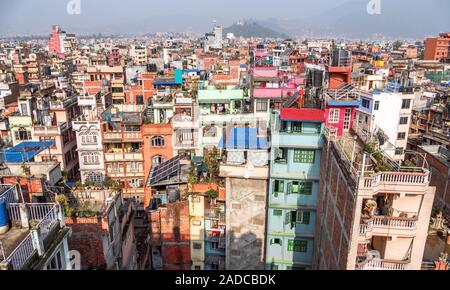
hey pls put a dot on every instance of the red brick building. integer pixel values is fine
(170, 237)
(438, 48)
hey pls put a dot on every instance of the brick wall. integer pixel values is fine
(87, 238)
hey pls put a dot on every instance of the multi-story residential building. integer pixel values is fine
(33, 236)
(217, 109)
(438, 48)
(269, 88)
(185, 124)
(246, 173)
(294, 182)
(88, 132)
(207, 226)
(168, 215)
(55, 125)
(138, 54)
(373, 212)
(123, 148)
(103, 230)
(386, 115)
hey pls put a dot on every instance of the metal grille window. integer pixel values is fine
(304, 156)
(376, 106)
(298, 246)
(333, 116)
(401, 136)
(158, 141)
(300, 187)
(303, 217)
(22, 134)
(403, 120)
(406, 104)
(261, 105)
(90, 158)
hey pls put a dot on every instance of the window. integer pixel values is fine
(296, 127)
(365, 103)
(277, 212)
(406, 104)
(90, 158)
(298, 246)
(209, 131)
(274, 267)
(376, 106)
(158, 160)
(22, 134)
(301, 187)
(134, 167)
(401, 136)
(333, 116)
(197, 246)
(281, 155)
(278, 187)
(304, 156)
(139, 100)
(403, 120)
(94, 177)
(88, 137)
(158, 141)
(275, 241)
(399, 151)
(303, 217)
(261, 105)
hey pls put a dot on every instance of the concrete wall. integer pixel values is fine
(246, 218)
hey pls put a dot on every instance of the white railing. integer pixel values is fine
(113, 136)
(394, 222)
(10, 195)
(48, 221)
(381, 264)
(365, 228)
(132, 135)
(14, 211)
(400, 178)
(20, 256)
(39, 211)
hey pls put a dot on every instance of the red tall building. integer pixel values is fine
(54, 43)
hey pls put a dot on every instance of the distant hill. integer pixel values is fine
(253, 29)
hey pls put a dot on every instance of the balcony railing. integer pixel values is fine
(382, 264)
(46, 214)
(397, 178)
(394, 222)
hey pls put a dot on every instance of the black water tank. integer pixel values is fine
(317, 78)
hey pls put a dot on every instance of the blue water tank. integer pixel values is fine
(4, 219)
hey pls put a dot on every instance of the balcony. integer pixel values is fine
(383, 264)
(388, 226)
(32, 224)
(396, 181)
(51, 130)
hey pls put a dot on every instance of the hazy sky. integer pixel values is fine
(35, 16)
(25, 17)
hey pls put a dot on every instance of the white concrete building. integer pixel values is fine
(139, 54)
(386, 114)
(89, 137)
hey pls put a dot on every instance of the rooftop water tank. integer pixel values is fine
(4, 219)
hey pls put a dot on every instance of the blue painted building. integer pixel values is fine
(294, 182)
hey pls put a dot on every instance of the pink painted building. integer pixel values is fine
(340, 110)
(54, 43)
